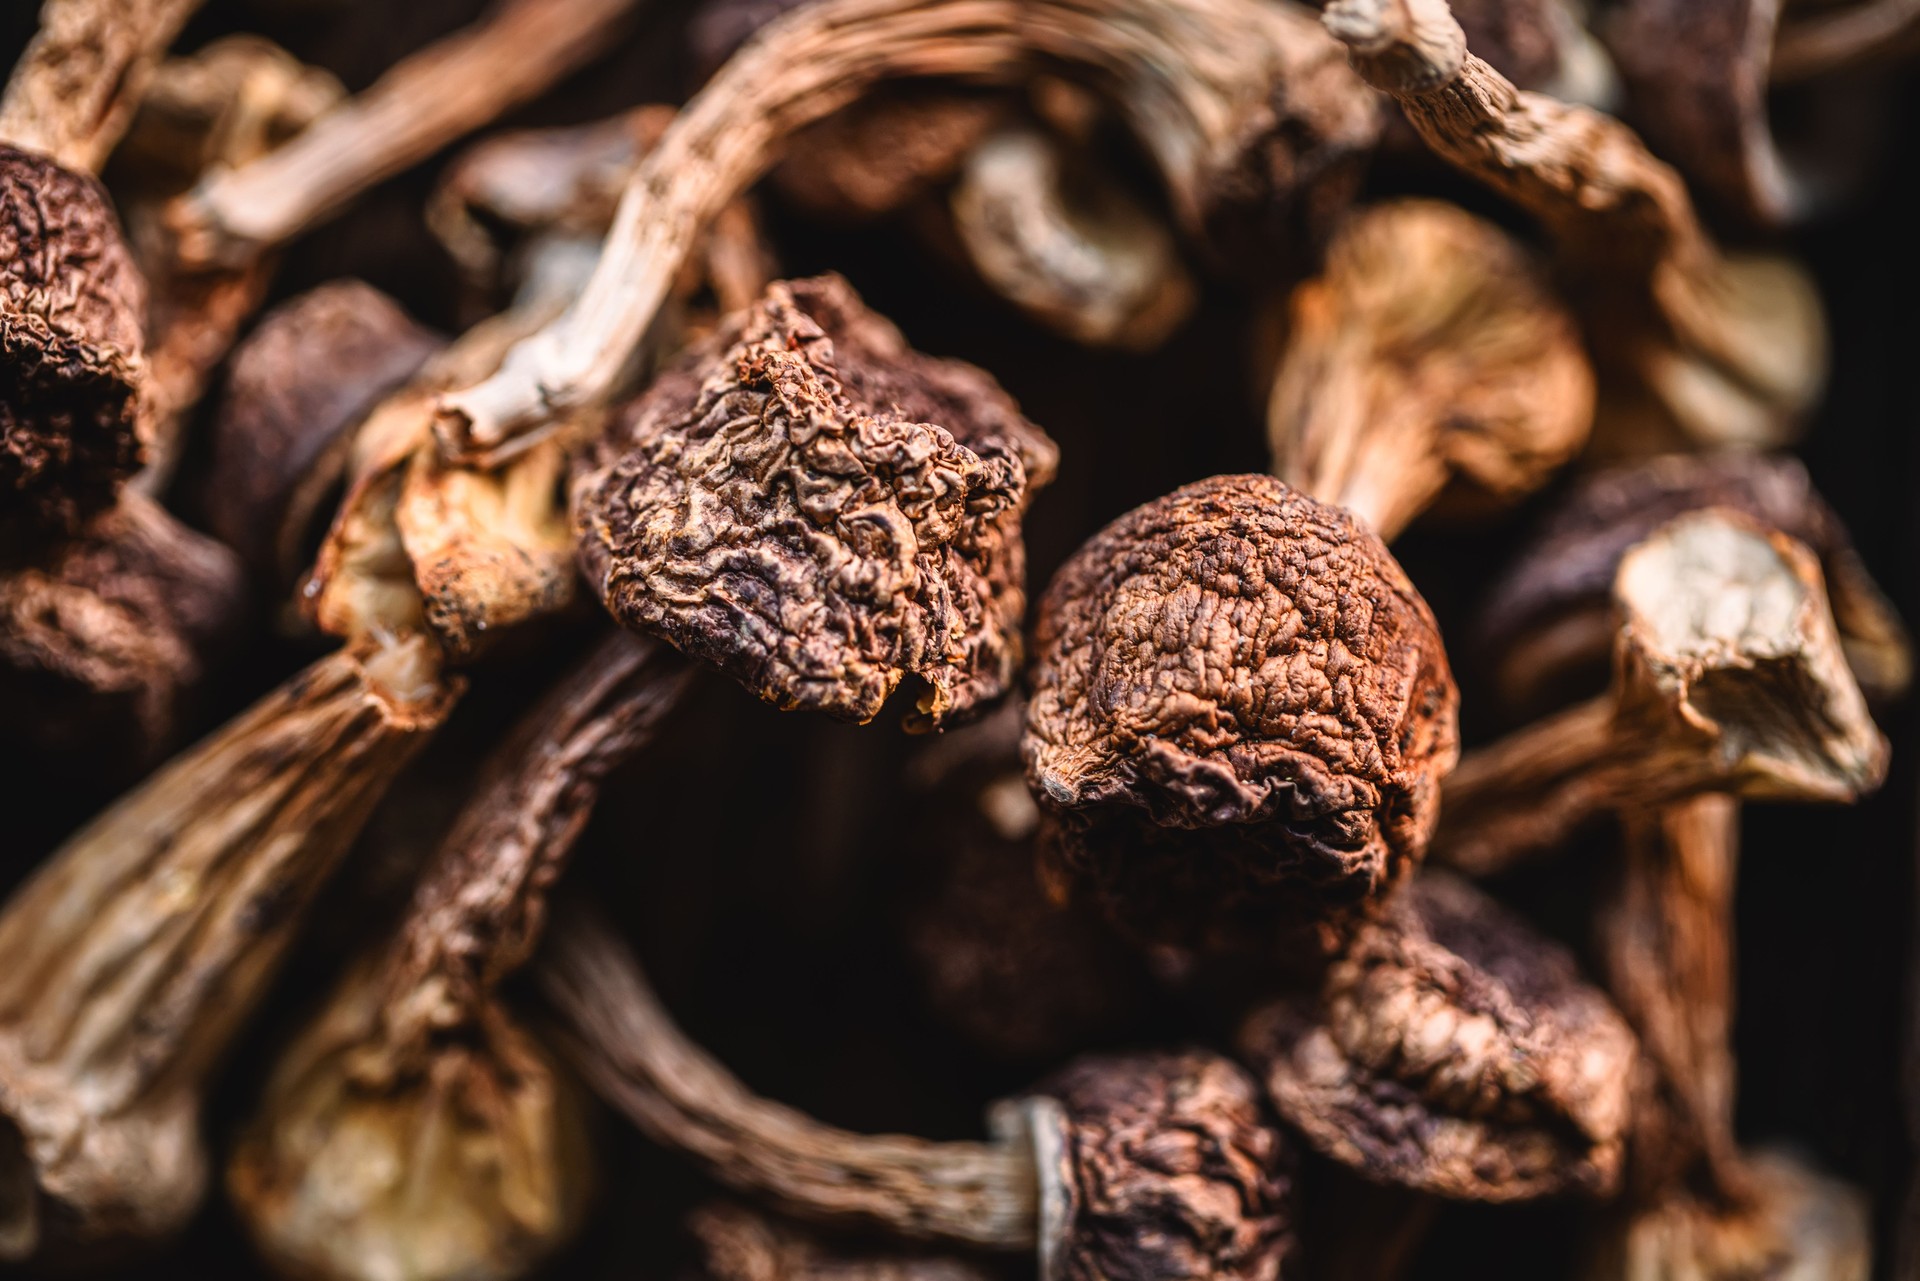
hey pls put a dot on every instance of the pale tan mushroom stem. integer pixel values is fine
(1730, 350)
(72, 94)
(1729, 677)
(624, 1042)
(135, 954)
(1191, 76)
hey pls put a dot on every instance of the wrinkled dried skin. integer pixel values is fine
(102, 647)
(305, 378)
(738, 1244)
(1729, 677)
(1429, 351)
(1159, 1165)
(817, 510)
(1241, 713)
(1067, 244)
(1718, 349)
(72, 311)
(137, 951)
(1548, 620)
(1454, 1051)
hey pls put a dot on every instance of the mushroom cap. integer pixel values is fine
(817, 510)
(1241, 707)
(1159, 1164)
(72, 316)
(1455, 1051)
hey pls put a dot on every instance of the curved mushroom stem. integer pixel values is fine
(1194, 77)
(1826, 41)
(1724, 349)
(1429, 350)
(481, 1169)
(137, 951)
(1729, 677)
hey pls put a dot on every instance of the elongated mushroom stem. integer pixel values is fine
(1210, 85)
(1728, 350)
(1728, 677)
(481, 1168)
(1430, 350)
(136, 953)
(1175, 1137)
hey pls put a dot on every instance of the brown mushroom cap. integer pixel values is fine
(817, 510)
(1159, 1164)
(72, 311)
(1455, 1051)
(1240, 703)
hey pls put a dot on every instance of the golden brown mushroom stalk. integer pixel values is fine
(1068, 244)
(1146, 1164)
(1210, 86)
(1430, 351)
(1723, 350)
(1728, 677)
(1697, 1205)
(739, 1244)
(136, 953)
(414, 1129)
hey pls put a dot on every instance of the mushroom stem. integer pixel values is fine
(1728, 677)
(1727, 349)
(1822, 42)
(73, 93)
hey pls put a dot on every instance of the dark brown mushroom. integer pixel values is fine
(817, 510)
(1453, 1050)
(1241, 714)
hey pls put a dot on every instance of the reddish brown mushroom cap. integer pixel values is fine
(1240, 702)
(817, 510)
(72, 309)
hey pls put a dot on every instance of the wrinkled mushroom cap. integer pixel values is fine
(1454, 1051)
(72, 315)
(1239, 702)
(817, 510)
(1159, 1164)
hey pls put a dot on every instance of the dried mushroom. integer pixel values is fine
(1430, 351)
(1541, 44)
(738, 1244)
(1148, 1164)
(1241, 713)
(817, 510)
(1721, 349)
(137, 950)
(415, 1128)
(1728, 676)
(1549, 617)
(1454, 1051)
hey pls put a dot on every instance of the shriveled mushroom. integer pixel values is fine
(1454, 1051)
(136, 952)
(1720, 349)
(1549, 619)
(1241, 713)
(1728, 677)
(1229, 99)
(819, 511)
(415, 1128)
(1430, 351)
(1148, 1164)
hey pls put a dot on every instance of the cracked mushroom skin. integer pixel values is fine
(1241, 714)
(1454, 1051)
(71, 309)
(818, 511)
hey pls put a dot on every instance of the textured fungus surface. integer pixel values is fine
(819, 511)
(1454, 1051)
(1240, 707)
(71, 309)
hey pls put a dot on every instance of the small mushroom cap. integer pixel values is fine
(72, 315)
(1455, 1051)
(1159, 1164)
(817, 510)
(1240, 705)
